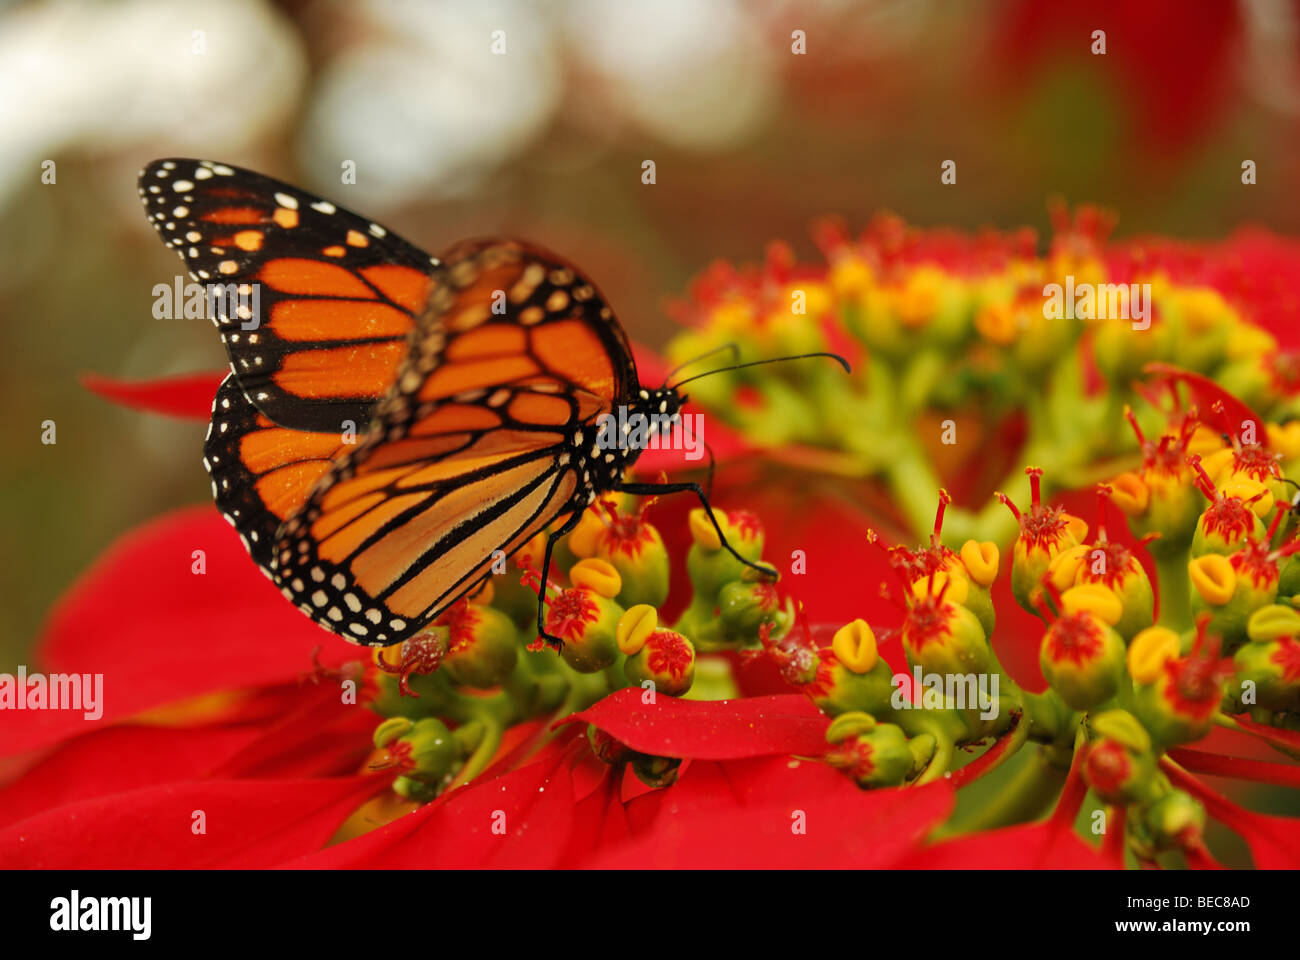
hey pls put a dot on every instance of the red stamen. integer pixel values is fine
(944, 500)
(1277, 519)
(1221, 412)
(1103, 498)
(1010, 506)
(1203, 481)
(1132, 419)
(1035, 475)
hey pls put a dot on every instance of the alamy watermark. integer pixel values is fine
(632, 430)
(58, 691)
(76, 913)
(939, 691)
(198, 301)
(1098, 301)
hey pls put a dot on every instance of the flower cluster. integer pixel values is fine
(1155, 633)
(1103, 626)
(969, 347)
(450, 695)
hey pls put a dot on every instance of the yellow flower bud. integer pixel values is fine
(635, 627)
(1218, 464)
(1284, 438)
(1205, 441)
(1094, 598)
(582, 541)
(954, 586)
(1076, 527)
(1214, 578)
(996, 322)
(596, 575)
(854, 645)
(1243, 488)
(1130, 493)
(850, 276)
(1150, 650)
(703, 531)
(981, 561)
(1065, 566)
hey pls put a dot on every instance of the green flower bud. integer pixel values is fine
(1225, 526)
(657, 772)
(709, 565)
(1044, 532)
(607, 749)
(943, 637)
(1176, 697)
(634, 548)
(745, 606)
(1288, 583)
(850, 675)
(424, 751)
(587, 623)
(1120, 765)
(1268, 668)
(1230, 589)
(484, 645)
(1174, 822)
(1082, 658)
(667, 659)
(1161, 497)
(876, 754)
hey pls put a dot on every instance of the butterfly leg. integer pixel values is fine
(652, 489)
(552, 539)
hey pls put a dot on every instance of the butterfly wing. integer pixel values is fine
(313, 303)
(481, 444)
(262, 473)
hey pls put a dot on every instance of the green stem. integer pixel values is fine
(1175, 592)
(483, 753)
(1026, 796)
(940, 762)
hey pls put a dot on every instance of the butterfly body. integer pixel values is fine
(394, 423)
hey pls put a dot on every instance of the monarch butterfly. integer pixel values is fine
(474, 384)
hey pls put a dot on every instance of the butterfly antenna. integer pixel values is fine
(758, 363)
(708, 482)
(733, 348)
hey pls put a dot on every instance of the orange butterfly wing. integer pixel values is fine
(483, 442)
(314, 304)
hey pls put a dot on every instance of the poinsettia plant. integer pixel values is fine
(1038, 581)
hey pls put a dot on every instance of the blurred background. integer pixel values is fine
(546, 140)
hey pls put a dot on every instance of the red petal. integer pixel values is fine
(1274, 841)
(317, 735)
(1288, 740)
(600, 820)
(1051, 845)
(160, 634)
(1238, 768)
(842, 571)
(188, 395)
(1206, 393)
(250, 823)
(534, 805)
(751, 823)
(710, 729)
(115, 760)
